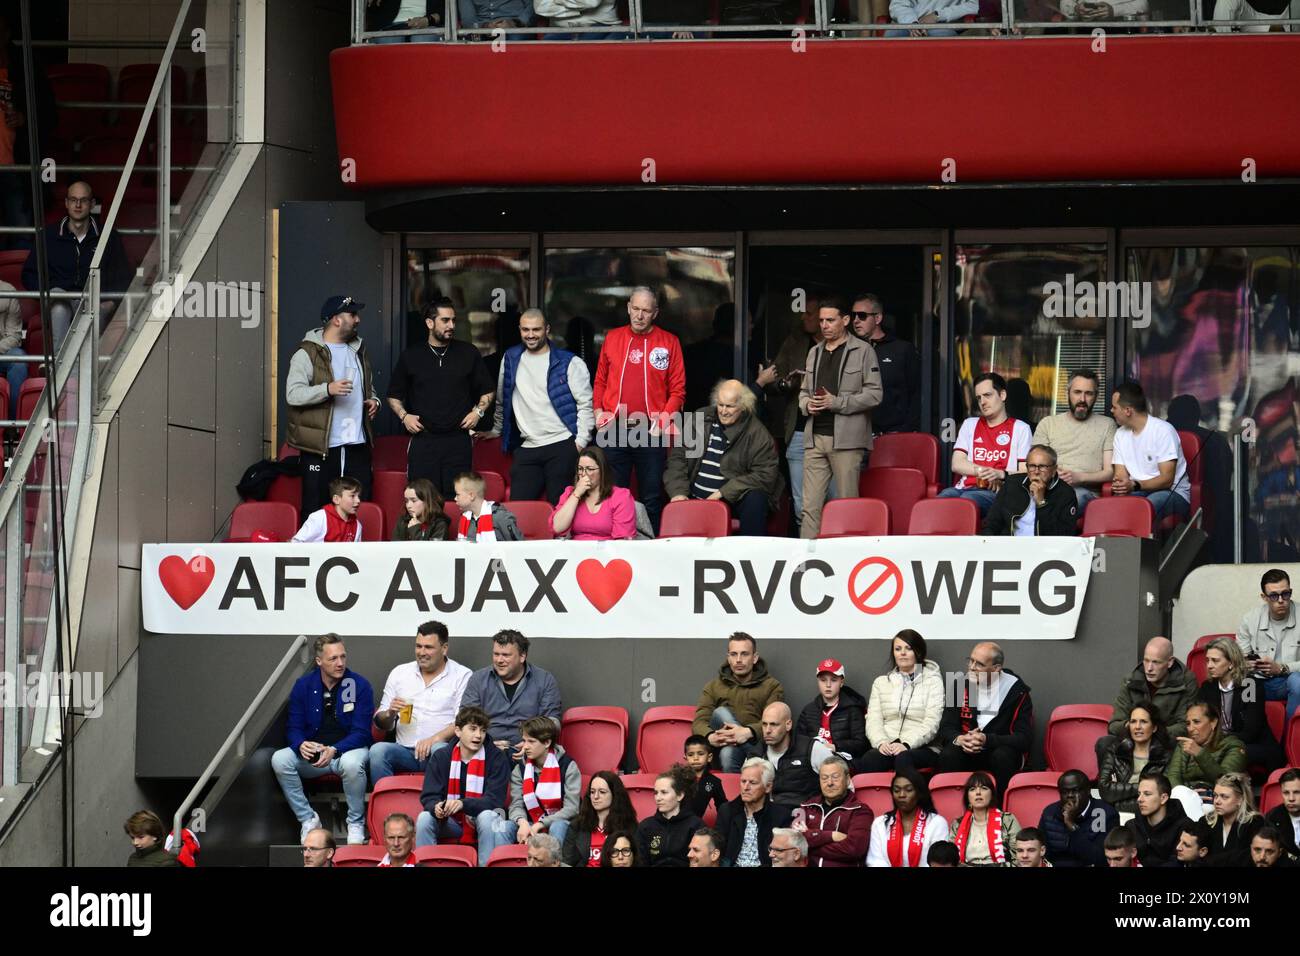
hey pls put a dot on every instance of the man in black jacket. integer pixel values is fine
(1159, 821)
(1286, 818)
(1034, 503)
(1193, 845)
(746, 823)
(990, 725)
(790, 753)
(1075, 827)
(836, 718)
(900, 369)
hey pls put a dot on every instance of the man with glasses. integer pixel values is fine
(318, 848)
(788, 849)
(900, 369)
(70, 246)
(1271, 642)
(990, 723)
(1035, 502)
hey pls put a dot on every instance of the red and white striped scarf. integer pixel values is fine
(992, 833)
(483, 525)
(915, 842)
(473, 788)
(547, 795)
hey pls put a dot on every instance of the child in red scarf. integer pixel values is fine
(337, 521)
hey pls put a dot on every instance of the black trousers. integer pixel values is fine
(317, 473)
(440, 458)
(1002, 762)
(543, 472)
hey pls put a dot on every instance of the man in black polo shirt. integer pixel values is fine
(440, 391)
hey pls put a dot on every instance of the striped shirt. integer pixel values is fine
(709, 478)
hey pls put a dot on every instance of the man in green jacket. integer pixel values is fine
(737, 462)
(730, 710)
(1160, 683)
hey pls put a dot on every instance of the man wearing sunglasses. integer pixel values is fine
(1271, 641)
(900, 368)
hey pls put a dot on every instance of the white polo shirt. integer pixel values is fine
(1142, 453)
(434, 705)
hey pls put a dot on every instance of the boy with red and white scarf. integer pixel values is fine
(465, 788)
(337, 521)
(482, 520)
(545, 788)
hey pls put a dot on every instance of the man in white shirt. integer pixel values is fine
(1148, 456)
(1084, 443)
(337, 521)
(1270, 640)
(544, 415)
(420, 700)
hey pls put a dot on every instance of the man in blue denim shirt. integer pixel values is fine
(495, 13)
(330, 710)
(512, 690)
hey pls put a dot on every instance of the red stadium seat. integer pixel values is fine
(1275, 714)
(495, 486)
(453, 518)
(1271, 795)
(1191, 443)
(488, 456)
(29, 394)
(873, 789)
(534, 519)
(451, 855)
(1291, 741)
(1072, 733)
(388, 490)
(730, 784)
(946, 789)
(1124, 516)
(900, 488)
(274, 518)
(695, 519)
(360, 855)
(661, 736)
(641, 791)
(944, 516)
(1029, 793)
(390, 453)
(371, 517)
(1196, 657)
(919, 450)
(86, 82)
(516, 855)
(850, 517)
(287, 488)
(135, 80)
(399, 793)
(596, 737)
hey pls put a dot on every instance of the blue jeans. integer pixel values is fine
(387, 759)
(729, 758)
(1166, 503)
(290, 769)
(1287, 688)
(430, 831)
(649, 465)
(16, 373)
(1082, 496)
(498, 831)
(982, 497)
(929, 31)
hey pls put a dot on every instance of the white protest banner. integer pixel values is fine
(970, 587)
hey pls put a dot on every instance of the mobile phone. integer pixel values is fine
(821, 392)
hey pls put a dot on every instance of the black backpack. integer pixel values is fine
(257, 479)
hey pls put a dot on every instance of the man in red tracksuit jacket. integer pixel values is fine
(835, 824)
(640, 382)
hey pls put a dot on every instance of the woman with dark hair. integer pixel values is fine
(620, 850)
(1234, 821)
(1143, 746)
(985, 835)
(424, 519)
(904, 835)
(1240, 699)
(904, 710)
(663, 839)
(1204, 755)
(592, 509)
(605, 808)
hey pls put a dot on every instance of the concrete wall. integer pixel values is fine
(1214, 598)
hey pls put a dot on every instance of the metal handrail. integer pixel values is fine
(236, 735)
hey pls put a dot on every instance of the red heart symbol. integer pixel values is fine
(186, 581)
(604, 584)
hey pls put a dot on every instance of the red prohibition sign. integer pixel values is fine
(861, 597)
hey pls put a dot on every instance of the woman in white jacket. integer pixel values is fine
(904, 710)
(903, 836)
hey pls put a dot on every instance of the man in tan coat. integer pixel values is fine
(730, 709)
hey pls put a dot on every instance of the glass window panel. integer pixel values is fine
(488, 286)
(1005, 322)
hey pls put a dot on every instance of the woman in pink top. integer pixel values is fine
(592, 509)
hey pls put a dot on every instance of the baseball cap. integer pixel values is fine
(830, 666)
(339, 303)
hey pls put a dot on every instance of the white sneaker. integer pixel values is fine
(307, 827)
(356, 833)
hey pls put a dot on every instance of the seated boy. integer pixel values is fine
(337, 521)
(482, 520)
(699, 757)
